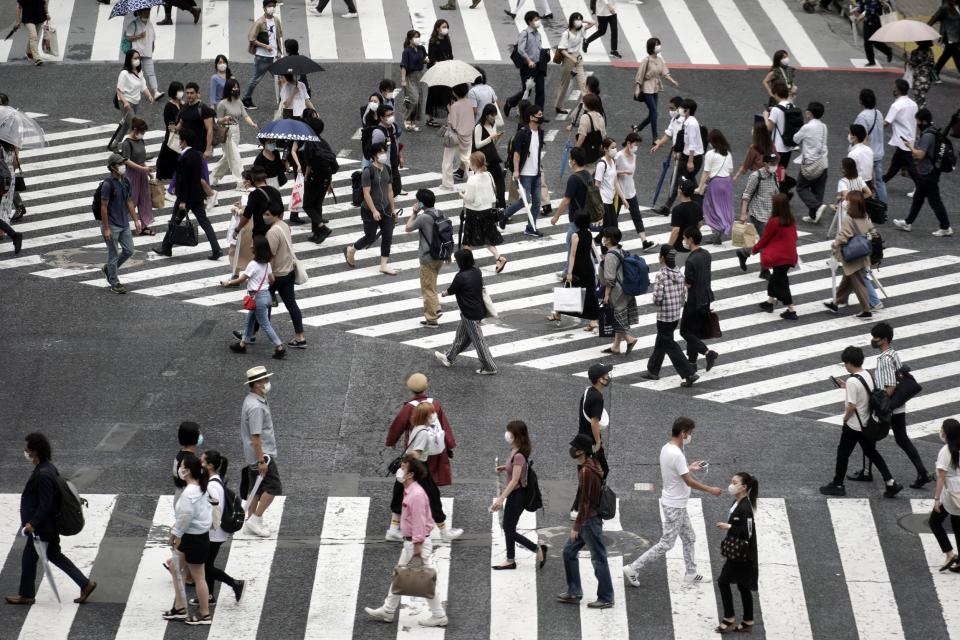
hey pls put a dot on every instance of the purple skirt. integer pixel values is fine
(140, 194)
(718, 204)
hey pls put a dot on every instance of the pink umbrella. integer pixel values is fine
(905, 31)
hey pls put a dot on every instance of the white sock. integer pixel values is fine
(890, 482)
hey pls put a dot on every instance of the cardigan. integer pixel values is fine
(778, 245)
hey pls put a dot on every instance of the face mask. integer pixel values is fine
(269, 10)
(785, 62)
(686, 245)
(26, 454)
(415, 42)
(182, 472)
(390, 119)
(577, 24)
(612, 151)
(235, 93)
(400, 475)
(381, 158)
(372, 106)
(687, 438)
(121, 169)
(200, 440)
(221, 67)
(673, 113)
(271, 146)
(733, 489)
(657, 49)
(508, 437)
(943, 439)
(444, 31)
(267, 387)
(535, 24)
(851, 140)
(179, 95)
(136, 63)
(537, 119)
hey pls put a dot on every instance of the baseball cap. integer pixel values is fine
(598, 370)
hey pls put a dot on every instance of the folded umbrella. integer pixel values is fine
(288, 130)
(450, 73)
(12, 31)
(296, 65)
(41, 548)
(565, 157)
(663, 174)
(905, 31)
(126, 7)
(20, 130)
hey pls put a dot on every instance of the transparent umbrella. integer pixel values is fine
(20, 130)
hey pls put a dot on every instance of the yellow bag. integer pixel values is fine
(744, 235)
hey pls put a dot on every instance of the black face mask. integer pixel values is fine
(875, 343)
(573, 452)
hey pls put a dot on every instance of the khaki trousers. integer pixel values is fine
(428, 289)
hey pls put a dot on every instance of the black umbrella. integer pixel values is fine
(296, 65)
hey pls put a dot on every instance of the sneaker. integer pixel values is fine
(254, 525)
(393, 535)
(689, 380)
(942, 233)
(530, 231)
(238, 589)
(163, 252)
(832, 306)
(17, 243)
(248, 104)
(647, 375)
(833, 490)
(434, 621)
(819, 214)
(876, 307)
(892, 490)
(910, 195)
(573, 515)
(921, 481)
(195, 602)
(600, 604)
(615, 54)
(711, 358)
(451, 534)
(159, 95)
(633, 577)
(647, 245)
(349, 15)
(696, 578)
(901, 224)
(486, 372)
(764, 274)
(239, 336)
(789, 315)
(380, 613)
(442, 357)
(118, 288)
(864, 315)
(808, 219)
(766, 306)
(502, 222)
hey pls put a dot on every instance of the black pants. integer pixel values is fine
(849, 439)
(7, 229)
(950, 50)
(898, 425)
(811, 192)
(726, 596)
(372, 229)
(499, 183)
(667, 346)
(778, 286)
(512, 510)
(869, 28)
(936, 526)
(538, 80)
(314, 191)
(602, 22)
(901, 160)
(683, 173)
(198, 209)
(634, 208)
(691, 330)
(210, 570)
(433, 494)
(928, 188)
(28, 566)
(284, 287)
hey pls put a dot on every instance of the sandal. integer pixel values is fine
(952, 561)
(590, 327)
(630, 346)
(147, 231)
(553, 317)
(175, 614)
(744, 627)
(727, 626)
(610, 350)
(197, 620)
(501, 263)
(346, 257)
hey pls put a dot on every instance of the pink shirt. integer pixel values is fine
(416, 522)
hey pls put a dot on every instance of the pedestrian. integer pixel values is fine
(693, 143)
(574, 200)
(321, 166)
(571, 42)
(532, 73)
(412, 63)
(230, 113)
(812, 181)
(716, 186)
(868, 12)
(258, 273)
(761, 147)
(33, 14)
(871, 119)
(377, 211)
(215, 465)
(777, 247)
(592, 420)
(756, 202)
(850, 182)
(623, 305)
(138, 174)
(191, 191)
(116, 204)
(525, 161)
(8, 158)
(259, 452)
(291, 47)
(283, 266)
(696, 272)
(480, 212)
(648, 83)
(948, 15)
(902, 120)
(926, 176)
(416, 524)
(39, 505)
(269, 159)
(780, 71)
(486, 135)
(626, 166)
(440, 49)
(673, 134)
(948, 482)
(197, 118)
(514, 497)
(131, 87)
(920, 64)
(677, 480)
(686, 214)
(669, 295)
(167, 158)
(239, 253)
(190, 540)
(294, 97)
(387, 131)
(856, 413)
(18, 209)
(183, 5)
(581, 272)
(586, 531)
(142, 37)
(218, 81)
(480, 95)
(467, 286)
(854, 223)
(776, 120)
(189, 437)
(424, 218)
(350, 4)
(263, 200)
(591, 131)
(459, 129)
(860, 152)
(265, 44)
(606, 13)
(742, 570)
(605, 178)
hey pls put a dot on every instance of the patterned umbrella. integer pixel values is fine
(20, 130)
(288, 130)
(124, 7)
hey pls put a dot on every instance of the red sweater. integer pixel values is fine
(778, 245)
(438, 465)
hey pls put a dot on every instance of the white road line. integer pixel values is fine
(926, 428)
(483, 42)
(801, 48)
(373, 31)
(166, 42)
(106, 37)
(412, 610)
(75, 133)
(422, 16)
(321, 35)
(336, 580)
(922, 402)
(694, 42)
(865, 570)
(60, 13)
(944, 583)
(9, 504)
(152, 586)
(781, 588)
(633, 28)
(694, 605)
(75, 120)
(597, 51)
(250, 559)
(513, 594)
(47, 619)
(215, 29)
(76, 146)
(603, 624)
(739, 32)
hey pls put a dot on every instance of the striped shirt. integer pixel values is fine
(888, 363)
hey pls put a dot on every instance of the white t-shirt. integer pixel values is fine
(532, 164)
(480, 96)
(692, 140)
(860, 397)
(605, 174)
(952, 480)
(716, 165)
(131, 85)
(872, 121)
(603, 7)
(673, 465)
(902, 117)
(419, 441)
(215, 492)
(571, 41)
(257, 273)
(144, 46)
(271, 29)
(779, 122)
(628, 164)
(299, 92)
(863, 156)
(846, 184)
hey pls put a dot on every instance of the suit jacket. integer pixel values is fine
(40, 500)
(189, 174)
(438, 465)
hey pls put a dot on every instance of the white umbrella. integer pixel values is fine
(905, 31)
(41, 548)
(20, 130)
(450, 73)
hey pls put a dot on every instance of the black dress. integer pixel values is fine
(494, 164)
(167, 160)
(438, 98)
(746, 573)
(585, 276)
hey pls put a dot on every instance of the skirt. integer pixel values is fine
(140, 194)
(194, 546)
(166, 161)
(718, 204)
(625, 316)
(438, 99)
(480, 228)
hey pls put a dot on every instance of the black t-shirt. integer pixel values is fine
(32, 11)
(192, 118)
(577, 191)
(261, 199)
(685, 214)
(467, 285)
(591, 404)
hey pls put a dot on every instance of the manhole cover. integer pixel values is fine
(82, 257)
(915, 522)
(537, 318)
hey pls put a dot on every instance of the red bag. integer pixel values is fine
(250, 301)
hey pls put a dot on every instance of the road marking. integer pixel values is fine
(739, 32)
(513, 594)
(78, 121)
(694, 606)
(215, 31)
(321, 34)
(944, 583)
(693, 41)
(412, 610)
(781, 587)
(422, 16)
(373, 31)
(922, 402)
(633, 27)
(801, 48)
(603, 624)
(483, 42)
(107, 34)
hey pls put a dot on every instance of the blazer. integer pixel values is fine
(40, 500)
(189, 173)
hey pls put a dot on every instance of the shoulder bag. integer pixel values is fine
(300, 272)
(711, 326)
(250, 301)
(184, 233)
(735, 548)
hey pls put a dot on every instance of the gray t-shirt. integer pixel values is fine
(255, 419)
(927, 143)
(872, 121)
(379, 181)
(425, 224)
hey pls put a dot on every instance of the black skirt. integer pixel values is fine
(195, 546)
(480, 228)
(166, 161)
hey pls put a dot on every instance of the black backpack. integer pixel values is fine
(944, 157)
(441, 240)
(69, 518)
(356, 184)
(592, 142)
(366, 140)
(792, 121)
(878, 424)
(319, 157)
(97, 203)
(534, 497)
(231, 511)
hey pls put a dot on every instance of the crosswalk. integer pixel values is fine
(697, 32)
(775, 366)
(350, 546)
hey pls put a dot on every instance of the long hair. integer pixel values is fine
(752, 485)
(261, 249)
(777, 57)
(855, 205)
(521, 439)
(435, 34)
(761, 139)
(781, 209)
(718, 141)
(413, 33)
(951, 429)
(192, 463)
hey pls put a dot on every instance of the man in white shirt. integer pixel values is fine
(871, 119)
(812, 138)
(902, 121)
(670, 134)
(264, 41)
(860, 153)
(856, 415)
(677, 483)
(776, 121)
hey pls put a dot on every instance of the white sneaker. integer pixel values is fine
(434, 621)
(910, 195)
(901, 224)
(380, 614)
(348, 16)
(394, 535)
(696, 578)
(632, 576)
(450, 534)
(256, 526)
(573, 515)
(941, 233)
(808, 219)
(877, 306)
(820, 211)
(442, 357)
(158, 95)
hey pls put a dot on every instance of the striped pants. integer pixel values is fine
(469, 332)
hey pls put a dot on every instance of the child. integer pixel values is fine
(258, 274)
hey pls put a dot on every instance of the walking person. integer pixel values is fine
(696, 272)
(230, 113)
(416, 524)
(116, 204)
(856, 413)
(480, 212)
(920, 62)
(946, 495)
(776, 120)
(948, 15)
(514, 497)
(481, 94)
(926, 176)
(440, 49)
(460, 123)
(593, 419)
(587, 530)
(183, 5)
(377, 211)
(591, 131)
(868, 12)
(812, 181)
(606, 12)
(142, 37)
(525, 162)
(134, 151)
(669, 296)
(39, 505)
(532, 73)
(902, 120)
(605, 177)
(215, 466)
(486, 136)
(742, 571)
(218, 81)
(860, 152)
(33, 14)
(197, 118)
(626, 166)
(131, 87)
(283, 266)
(674, 135)
(259, 442)
(424, 219)
(574, 201)
(677, 481)
(777, 247)
(257, 275)
(684, 215)
(320, 166)
(467, 286)
(624, 305)
(780, 71)
(412, 63)
(167, 158)
(716, 186)
(756, 202)
(761, 147)
(871, 119)
(581, 272)
(387, 131)
(294, 97)
(571, 43)
(265, 43)
(648, 83)
(853, 224)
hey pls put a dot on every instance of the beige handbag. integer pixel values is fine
(414, 579)
(173, 142)
(156, 194)
(491, 310)
(744, 235)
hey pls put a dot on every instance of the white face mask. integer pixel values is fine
(657, 49)
(373, 106)
(785, 62)
(267, 387)
(136, 63)
(183, 473)
(269, 10)
(200, 440)
(179, 95)
(121, 169)
(390, 119)
(535, 24)
(577, 24)
(508, 437)
(673, 113)
(611, 151)
(26, 454)
(444, 31)
(400, 475)
(221, 67)
(733, 489)
(415, 42)
(687, 438)
(381, 158)
(852, 140)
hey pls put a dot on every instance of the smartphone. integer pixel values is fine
(835, 382)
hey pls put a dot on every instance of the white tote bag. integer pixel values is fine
(568, 299)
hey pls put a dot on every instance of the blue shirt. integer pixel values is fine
(413, 59)
(116, 193)
(216, 88)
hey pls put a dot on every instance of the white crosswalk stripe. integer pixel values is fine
(480, 34)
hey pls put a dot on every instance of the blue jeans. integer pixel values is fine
(650, 99)
(591, 536)
(879, 185)
(124, 237)
(871, 290)
(531, 186)
(261, 66)
(262, 315)
(571, 230)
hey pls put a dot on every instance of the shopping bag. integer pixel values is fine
(711, 326)
(888, 17)
(744, 235)
(296, 195)
(606, 321)
(156, 194)
(568, 299)
(488, 304)
(173, 142)
(300, 273)
(50, 45)
(414, 579)
(184, 233)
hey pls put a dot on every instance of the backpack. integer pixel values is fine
(534, 497)
(607, 504)
(6, 177)
(792, 121)
(356, 184)
(592, 143)
(944, 157)
(592, 202)
(441, 240)
(878, 422)
(636, 274)
(97, 203)
(435, 437)
(231, 511)
(876, 249)
(366, 140)
(320, 158)
(69, 518)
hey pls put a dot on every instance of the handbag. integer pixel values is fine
(558, 56)
(19, 185)
(450, 137)
(735, 549)
(173, 141)
(414, 579)
(296, 195)
(744, 235)
(156, 194)
(488, 304)
(184, 233)
(907, 387)
(219, 133)
(813, 170)
(876, 209)
(50, 44)
(300, 273)
(568, 299)
(888, 16)
(606, 321)
(250, 301)
(908, 75)
(859, 246)
(711, 326)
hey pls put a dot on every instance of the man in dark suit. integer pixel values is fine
(38, 510)
(192, 191)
